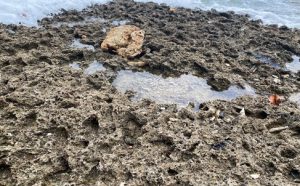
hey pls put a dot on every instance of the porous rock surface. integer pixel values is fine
(59, 126)
(126, 40)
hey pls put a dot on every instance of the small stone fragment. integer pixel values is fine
(125, 40)
(278, 129)
(286, 76)
(243, 113)
(137, 63)
(277, 81)
(255, 176)
(173, 119)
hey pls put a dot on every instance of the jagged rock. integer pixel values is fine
(126, 40)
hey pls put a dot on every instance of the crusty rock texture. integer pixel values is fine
(59, 126)
(126, 40)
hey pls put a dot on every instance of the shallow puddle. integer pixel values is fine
(75, 66)
(267, 60)
(295, 98)
(294, 66)
(76, 44)
(94, 67)
(119, 22)
(182, 91)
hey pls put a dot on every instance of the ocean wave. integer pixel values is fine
(281, 12)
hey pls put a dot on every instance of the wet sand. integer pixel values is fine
(61, 126)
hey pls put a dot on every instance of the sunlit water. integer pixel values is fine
(93, 67)
(294, 66)
(120, 22)
(282, 12)
(76, 44)
(182, 91)
(267, 60)
(75, 66)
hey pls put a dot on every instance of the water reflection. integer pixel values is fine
(120, 22)
(94, 67)
(181, 91)
(75, 66)
(294, 66)
(76, 44)
(267, 60)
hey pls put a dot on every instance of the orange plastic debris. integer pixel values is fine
(275, 99)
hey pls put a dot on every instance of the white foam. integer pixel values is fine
(29, 11)
(282, 12)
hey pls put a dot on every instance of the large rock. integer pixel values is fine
(126, 40)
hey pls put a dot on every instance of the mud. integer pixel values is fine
(60, 126)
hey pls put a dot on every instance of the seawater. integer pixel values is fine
(93, 67)
(76, 44)
(282, 12)
(294, 66)
(181, 90)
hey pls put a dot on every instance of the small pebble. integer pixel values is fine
(277, 81)
(255, 176)
(173, 119)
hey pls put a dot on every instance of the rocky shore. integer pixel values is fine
(60, 126)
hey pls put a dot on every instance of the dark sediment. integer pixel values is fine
(60, 126)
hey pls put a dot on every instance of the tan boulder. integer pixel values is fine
(126, 40)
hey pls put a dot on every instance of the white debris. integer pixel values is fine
(255, 176)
